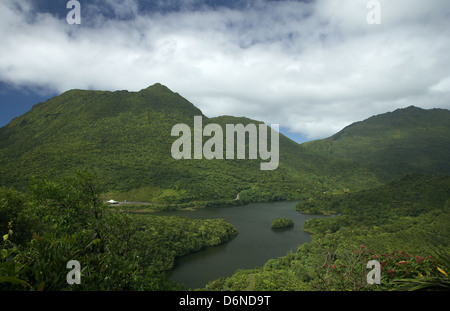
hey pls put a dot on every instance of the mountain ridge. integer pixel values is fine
(126, 137)
(394, 143)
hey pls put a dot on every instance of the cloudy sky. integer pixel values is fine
(313, 67)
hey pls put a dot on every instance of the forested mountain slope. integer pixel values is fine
(394, 143)
(125, 137)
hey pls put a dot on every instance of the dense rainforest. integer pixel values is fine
(385, 180)
(403, 225)
(125, 137)
(62, 220)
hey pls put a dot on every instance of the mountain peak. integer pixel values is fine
(411, 110)
(157, 87)
(411, 113)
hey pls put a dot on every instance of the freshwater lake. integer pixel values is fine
(255, 244)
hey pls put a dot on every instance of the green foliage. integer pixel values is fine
(403, 225)
(126, 138)
(436, 277)
(398, 201)
(160, 239)
(14, 215)
(117, 250)
(282, 223)
(346, 270)
(119, 143)
(323, 204)
(395, 143)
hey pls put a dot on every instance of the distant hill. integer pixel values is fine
(125, 137)
(394, 143)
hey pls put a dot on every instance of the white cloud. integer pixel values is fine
(442, 87)
(311, 67)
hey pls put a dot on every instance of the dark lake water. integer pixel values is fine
(255, 244)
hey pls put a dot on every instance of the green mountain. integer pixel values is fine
(395, 143)
(125, 137)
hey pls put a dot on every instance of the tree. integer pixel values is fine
(71, 204)
(13, 216)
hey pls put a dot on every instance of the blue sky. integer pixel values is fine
(313, 67)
